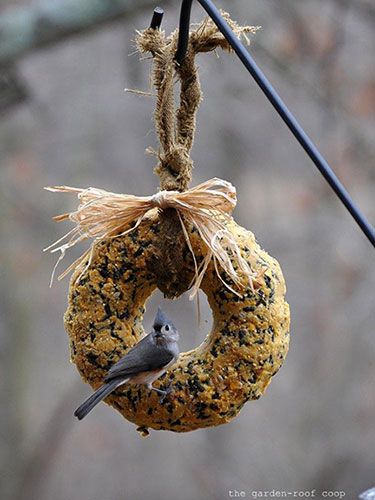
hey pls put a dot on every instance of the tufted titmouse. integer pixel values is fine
(143, 364)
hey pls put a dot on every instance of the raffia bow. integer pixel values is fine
(102, 215)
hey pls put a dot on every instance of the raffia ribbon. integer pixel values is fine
(102, 215)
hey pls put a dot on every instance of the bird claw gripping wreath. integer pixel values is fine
(175, 240)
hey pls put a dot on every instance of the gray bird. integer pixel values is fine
(143, 364)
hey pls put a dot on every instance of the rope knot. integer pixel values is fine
(175, 169)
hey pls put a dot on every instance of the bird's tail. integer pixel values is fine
(95, 398)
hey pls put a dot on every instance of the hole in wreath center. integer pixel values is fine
(184, 315)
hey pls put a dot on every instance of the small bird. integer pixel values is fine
(143, 364)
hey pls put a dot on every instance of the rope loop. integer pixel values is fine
(176, 127)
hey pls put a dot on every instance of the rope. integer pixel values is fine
(176, 127)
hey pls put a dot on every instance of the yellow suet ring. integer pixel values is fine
(208, 385)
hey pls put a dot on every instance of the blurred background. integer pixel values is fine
(65, 119)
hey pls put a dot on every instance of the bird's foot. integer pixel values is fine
(166, 391)
(163, 392)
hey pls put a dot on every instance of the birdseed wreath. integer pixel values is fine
(175, 240)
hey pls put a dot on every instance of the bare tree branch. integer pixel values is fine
(319, 93)
(13, 90)
(364, 7)
(48, 22)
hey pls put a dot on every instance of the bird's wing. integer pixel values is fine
(144, 356)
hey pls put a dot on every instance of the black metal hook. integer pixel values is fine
(275, 100)
(157, 18)
(183, 33)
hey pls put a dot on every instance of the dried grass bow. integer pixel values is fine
(102, 215)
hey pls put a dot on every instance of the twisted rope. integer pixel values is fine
(176, 127)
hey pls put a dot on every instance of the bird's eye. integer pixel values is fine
(166, 328)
